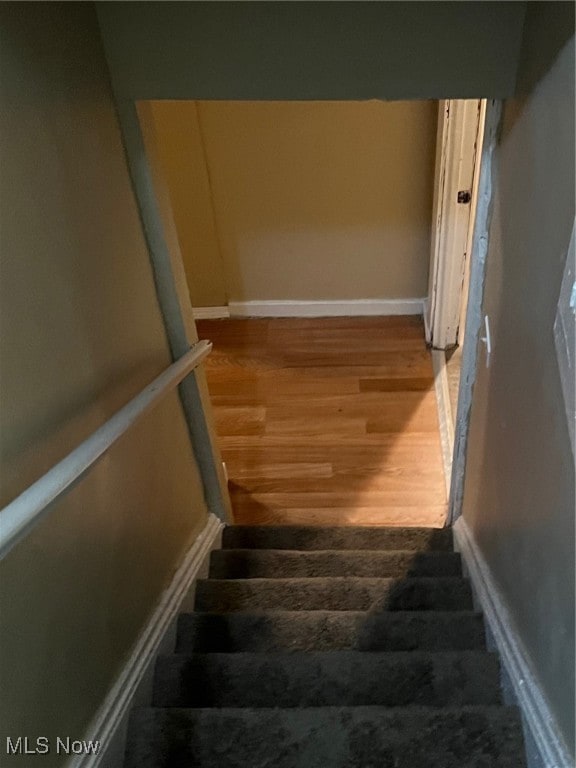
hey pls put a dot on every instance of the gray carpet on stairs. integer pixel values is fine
(329, 648)
(327, 679)
(330, 631)
(337, 537)
(269, 563)
(348, 593)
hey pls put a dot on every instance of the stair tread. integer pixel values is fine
(341, 737)
(246, 656)
(360, 552)
(327, 678)
(340, 579)
(336, 537)
(266, 632)
(286, 563)
(336, 593)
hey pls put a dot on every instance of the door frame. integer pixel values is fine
(459, 137)
(168, 270)
(474, 327)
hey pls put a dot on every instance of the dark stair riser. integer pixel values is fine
(337, 594)
(344, 678)
(343, 537)
(359, 737)
(254, 563)
(330, 631)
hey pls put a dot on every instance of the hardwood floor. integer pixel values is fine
(327, 421)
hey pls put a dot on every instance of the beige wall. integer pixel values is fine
(311, 200)
(183, 162)
(81, 334)
(519, 495)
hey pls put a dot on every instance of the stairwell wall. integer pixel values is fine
(81, 334)
(519, 496)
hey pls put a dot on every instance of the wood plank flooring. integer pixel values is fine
(327, 421)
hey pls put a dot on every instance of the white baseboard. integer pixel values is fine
(445, 420)
(211, 313)
(133, 687)
(538, 718)
(358, 308)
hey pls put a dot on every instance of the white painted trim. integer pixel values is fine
(457, 162)
(211, 313)
(538, 716)
(474, 313)
(133, 685)
(565, 337)
(19, 516)
(445, 419)
(353, 308)
(472, 224)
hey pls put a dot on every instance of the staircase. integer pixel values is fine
(329, 648)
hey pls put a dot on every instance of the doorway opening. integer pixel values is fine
(457, 175)
(314, 220)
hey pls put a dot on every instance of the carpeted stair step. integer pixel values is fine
(327, 679)
(268, 563)
(336, 537)
(335, 594)
(330, 631)
(339, 737)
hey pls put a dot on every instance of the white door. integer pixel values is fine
(460, 124)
